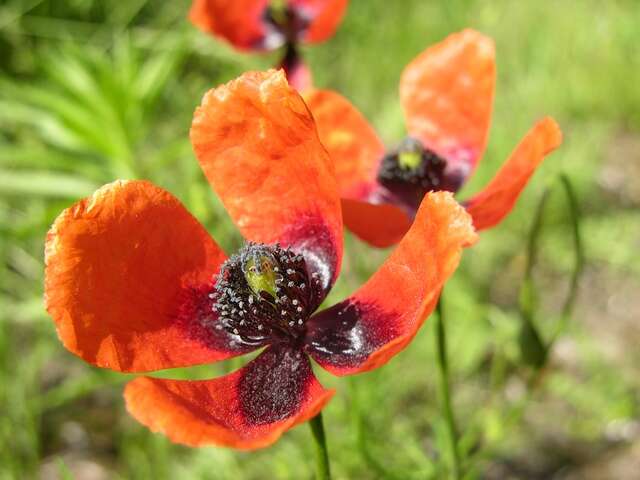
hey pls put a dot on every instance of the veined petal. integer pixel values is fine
(127, 275)
(497, 199)
(380, 319)
(353, 144)
(447, 97)
(325, 17)
(237, 21)
(247, 409)
(258, 146)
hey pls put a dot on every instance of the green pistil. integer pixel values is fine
(278, 9)
(409, 160)
(260, 271)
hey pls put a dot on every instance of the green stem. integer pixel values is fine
(323, 472)
(533, 346)
(578, 246)
(534, 235)
(443, 366)
(533, 350)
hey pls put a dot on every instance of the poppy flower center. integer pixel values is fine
(411, 171)
(286, 23)
(264, 293)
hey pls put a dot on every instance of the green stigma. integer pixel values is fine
(278, 10)
(409, 160)
(410, 153)
(260, 271)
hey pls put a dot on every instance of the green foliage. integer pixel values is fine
(92, 91)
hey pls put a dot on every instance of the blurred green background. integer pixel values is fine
(91, 91)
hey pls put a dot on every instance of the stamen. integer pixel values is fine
(412, 171)
(255, 301)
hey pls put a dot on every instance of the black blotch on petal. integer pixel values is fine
(347, 333)
(274, 385)
(195, 318)
(310, 236)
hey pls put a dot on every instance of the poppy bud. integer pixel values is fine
(532, 351)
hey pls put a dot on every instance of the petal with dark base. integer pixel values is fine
(247, 409)
(239, 22)
(128, 271)
(380, 319)
(258, 146)
(497, 199)
(447, 97)
(353, 144)
(325, 17)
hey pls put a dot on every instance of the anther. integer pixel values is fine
(261, 293)
(411, 171)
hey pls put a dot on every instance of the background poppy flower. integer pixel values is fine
(259, 25)
(447, 96)
(134, 283)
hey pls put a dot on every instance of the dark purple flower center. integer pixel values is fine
(265, 294)
(411, 171)
(285, 23)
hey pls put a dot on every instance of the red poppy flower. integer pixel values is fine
(134, 283)
(259, 25)
(447, 96)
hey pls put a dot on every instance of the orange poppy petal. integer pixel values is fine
(380, 319)
(326, 16)
(380, 225)
(126, 281)
(352, 143)
(257, 144)
(237, 21)
(247, 409)
(447, 97)
(497, 199)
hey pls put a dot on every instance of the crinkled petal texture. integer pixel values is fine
(258, 146)
(237, 21)
(447, 96)
(247, 409)
(127, 275)
(497, 199)
(325, 17)
(352, 143)
(380, 319)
